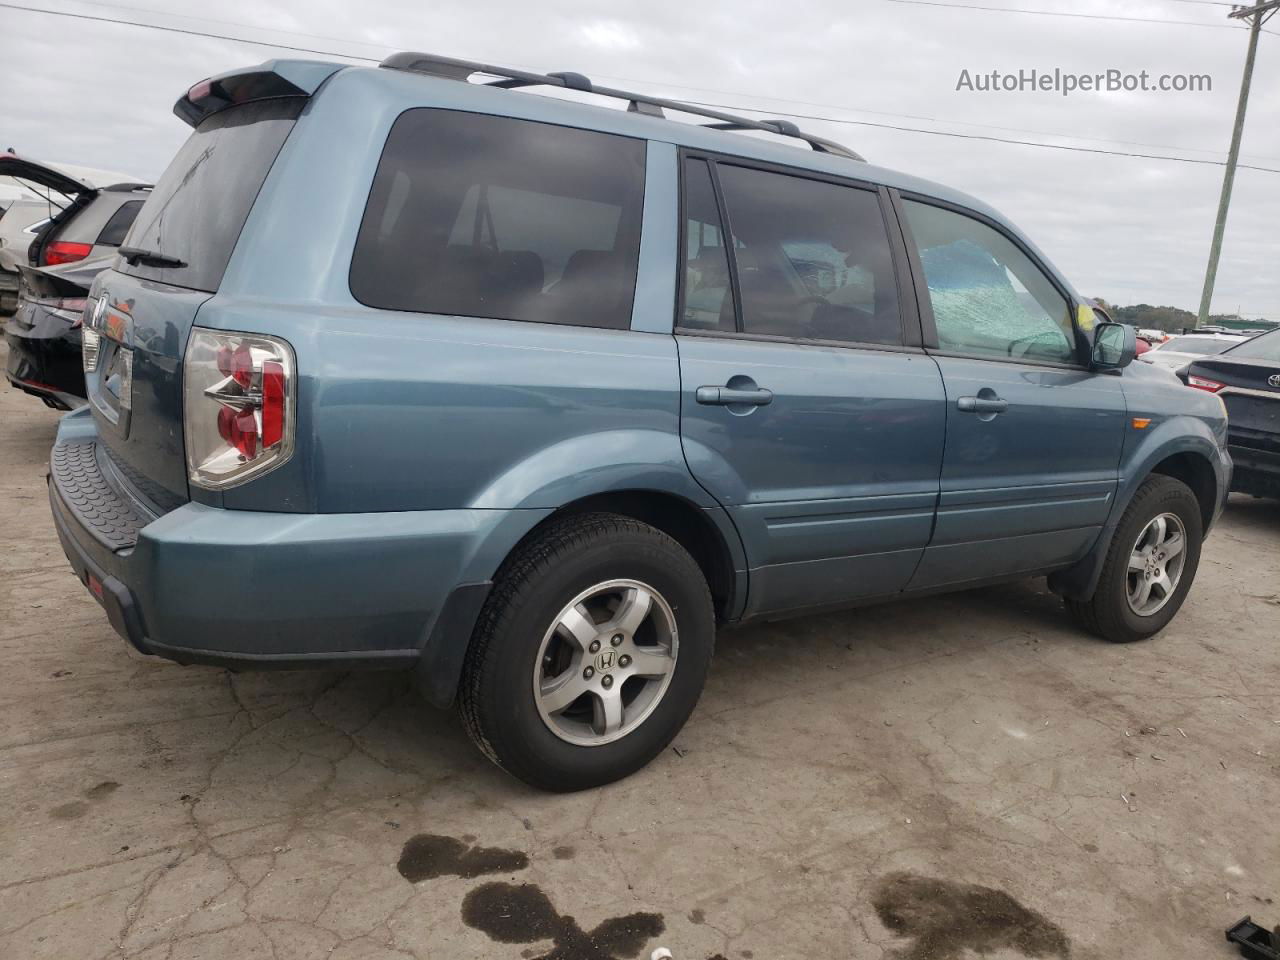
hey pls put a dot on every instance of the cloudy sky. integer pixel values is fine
(1131, 230)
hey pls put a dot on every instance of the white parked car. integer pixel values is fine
(1176, 352)
(55, 215)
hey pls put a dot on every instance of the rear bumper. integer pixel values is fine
(1256, 471)
(8, 292)
(46, 363)
(257, 590)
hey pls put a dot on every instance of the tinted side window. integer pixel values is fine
(474, 215)
(813, 258)
(114, 230)
(196, 211)
(708, 297)
(988, 297)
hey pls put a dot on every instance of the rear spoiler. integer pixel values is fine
(267, 81)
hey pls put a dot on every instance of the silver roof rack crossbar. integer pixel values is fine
(508, 78)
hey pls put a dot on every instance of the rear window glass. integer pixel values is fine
(196, 211)
(1201, 345)
(1264, 347)
(481, 216)
(813, 258)
(114, 230)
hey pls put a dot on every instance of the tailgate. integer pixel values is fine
(134, 379)
(171, 262)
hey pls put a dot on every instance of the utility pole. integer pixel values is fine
(1257, 16)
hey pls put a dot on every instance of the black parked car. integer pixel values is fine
(44, 335)
(1247, 378)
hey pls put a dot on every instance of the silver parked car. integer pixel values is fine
(62, 219)
(20, 219)
(1177, 352)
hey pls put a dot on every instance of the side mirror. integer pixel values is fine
(1114, 346)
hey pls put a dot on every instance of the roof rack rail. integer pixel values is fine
(451, 69)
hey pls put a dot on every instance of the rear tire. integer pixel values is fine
(523, 650)
(1136, 556)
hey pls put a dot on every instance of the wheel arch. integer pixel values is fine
(705, 533)
(1195, 470)
(1187, 457)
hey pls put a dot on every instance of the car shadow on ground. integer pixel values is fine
(1259, 512)
(379, 717)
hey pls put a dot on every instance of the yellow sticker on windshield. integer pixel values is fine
(1086, 319)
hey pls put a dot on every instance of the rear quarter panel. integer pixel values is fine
(407, 411)
(403, 411)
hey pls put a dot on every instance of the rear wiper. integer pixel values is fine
(149, 258)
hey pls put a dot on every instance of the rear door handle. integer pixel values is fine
(981, 405)
(728, 396)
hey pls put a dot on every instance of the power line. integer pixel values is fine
(712, 90)
(795, 115)
(1060, 13)
(990, 139)
(249, 26)
(189, 33)
(962, 123)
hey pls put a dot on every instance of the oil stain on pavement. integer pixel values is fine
(944, 919)
(429, 855)
(78, 808)
(510, 913)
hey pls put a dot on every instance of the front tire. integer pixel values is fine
(590, 653)
(1150, 564)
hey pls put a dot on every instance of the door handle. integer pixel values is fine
(981, 405)
(730, 396)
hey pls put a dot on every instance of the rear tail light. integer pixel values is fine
(238, 410)
(62, 251)
(1203, 383)
(90, 339)
(90, 345)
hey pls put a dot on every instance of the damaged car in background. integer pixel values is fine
(21, 217)
(51, 264)
(44, 336)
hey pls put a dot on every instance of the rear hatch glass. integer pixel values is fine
(195, 213)
(145, 309)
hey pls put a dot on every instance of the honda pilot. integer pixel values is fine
(409, 367)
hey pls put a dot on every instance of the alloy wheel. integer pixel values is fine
(1155, 564)
(605, 662)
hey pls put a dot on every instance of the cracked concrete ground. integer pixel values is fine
(868, 784)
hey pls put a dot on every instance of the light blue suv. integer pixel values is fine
(400, 369)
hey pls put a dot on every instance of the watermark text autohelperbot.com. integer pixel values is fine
(1066, 83)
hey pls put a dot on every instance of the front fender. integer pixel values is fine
(1177, 434)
